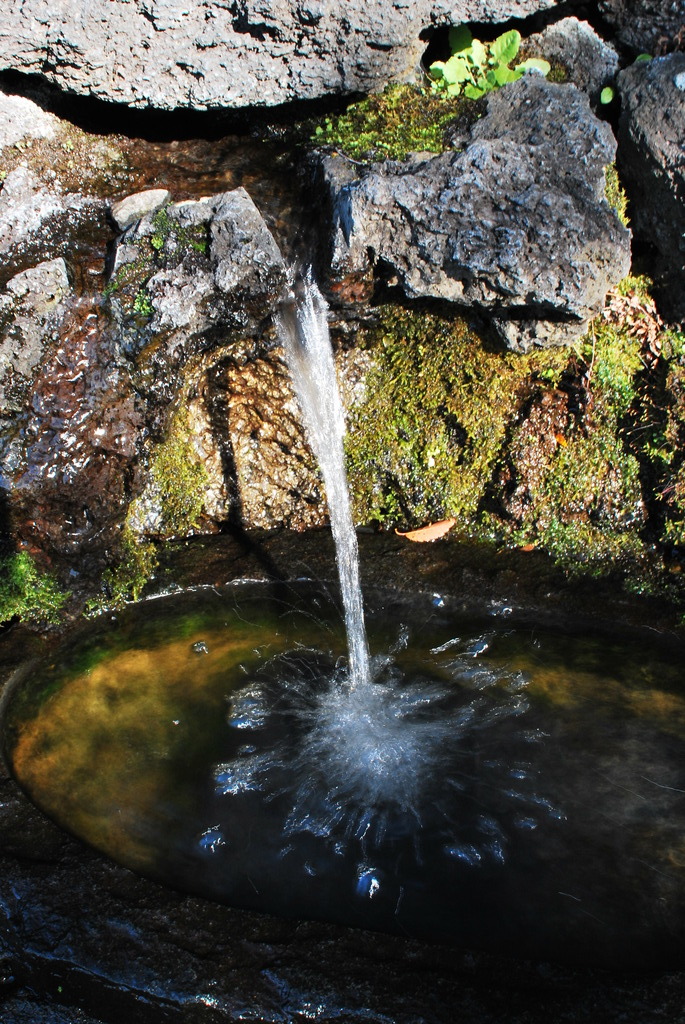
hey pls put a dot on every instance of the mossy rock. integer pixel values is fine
(439, 402)
(544, 450)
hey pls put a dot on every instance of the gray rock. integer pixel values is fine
(30, 307)
(651, 140)
(21, 118)
(129, 210)
(218, 264)
(641, 24)
(40, 221)
(169, 53)
(589, 61)
(516, 224)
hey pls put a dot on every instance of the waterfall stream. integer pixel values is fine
(303, 328)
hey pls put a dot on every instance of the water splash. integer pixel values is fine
(303, 328)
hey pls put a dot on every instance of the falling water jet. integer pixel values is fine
(302, 323)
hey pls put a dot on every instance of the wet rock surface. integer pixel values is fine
(82, 940)
(30, 306)
(208, 263)
(652, 135)
(40, 221)
(515, 223)
(251, 53)
(67, 459)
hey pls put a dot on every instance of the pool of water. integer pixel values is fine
(498, 786)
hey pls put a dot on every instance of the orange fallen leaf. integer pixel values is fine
(528, 547)
(560, 439)
(427, 533)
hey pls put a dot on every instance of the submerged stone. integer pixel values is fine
(31, 307)
(130, 209)
(41, 220)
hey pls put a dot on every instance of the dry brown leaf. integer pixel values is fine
(428, 533)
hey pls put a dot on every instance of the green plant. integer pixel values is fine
(143, 303)
(27, 593)
(476, 68)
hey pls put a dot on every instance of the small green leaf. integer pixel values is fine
(535, 64)
(479, 54)
(607, 94)
(454, 89)
(456, 69)
(474, 92)
(460, 38)
(506, 46)
(502, 74)
(642, 58)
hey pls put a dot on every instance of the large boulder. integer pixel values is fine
(92, 386)
(652, 137)
(169, 53)
(514, 222)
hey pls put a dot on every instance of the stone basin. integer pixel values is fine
(86, 940)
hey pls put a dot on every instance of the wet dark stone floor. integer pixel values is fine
(84, 941)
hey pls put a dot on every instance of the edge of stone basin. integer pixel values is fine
(479, 576)
(84, 941)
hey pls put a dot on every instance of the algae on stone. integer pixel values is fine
(535, 450)
(438, 405)
(27, 593)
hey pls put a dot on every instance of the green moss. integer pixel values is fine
(558, 73)
(390, 125)
(586, 507)
(27, 593)
(445, 429)
(181, 480)
(639, 286)
(613, 359)
(178, 484)
(422, 444)
(163, 227)
(143, 304)
(125, 581)
(615, 194)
